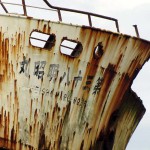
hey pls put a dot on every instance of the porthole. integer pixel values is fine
(98, 52)
(42, 40)
(71, 48)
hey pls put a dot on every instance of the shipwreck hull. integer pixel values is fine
(49, 100)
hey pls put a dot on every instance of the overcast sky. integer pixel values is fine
(128, 12)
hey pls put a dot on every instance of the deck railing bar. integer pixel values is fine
(2, 3)
(3, 7)
(58, 9)
(84, 12)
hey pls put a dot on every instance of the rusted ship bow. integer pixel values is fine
(67, 87)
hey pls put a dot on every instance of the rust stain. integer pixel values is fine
(53, 101)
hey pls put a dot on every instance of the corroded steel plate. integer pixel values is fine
(49, 100)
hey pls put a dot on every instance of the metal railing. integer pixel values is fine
(81, 12)
(59, 9)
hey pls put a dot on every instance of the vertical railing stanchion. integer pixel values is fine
(24, 7)
(136, 30)
(6, 11)
(59, 15)
(117, 25)
(90, 21)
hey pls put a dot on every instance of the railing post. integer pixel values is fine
(24, 7)
(90, 21)
(136, 30)
(117, 25)
(59, 15)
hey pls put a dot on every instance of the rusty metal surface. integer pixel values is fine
(122, 123)
(128, 116)
(52, 101)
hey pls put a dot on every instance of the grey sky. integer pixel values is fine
(128, 12)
